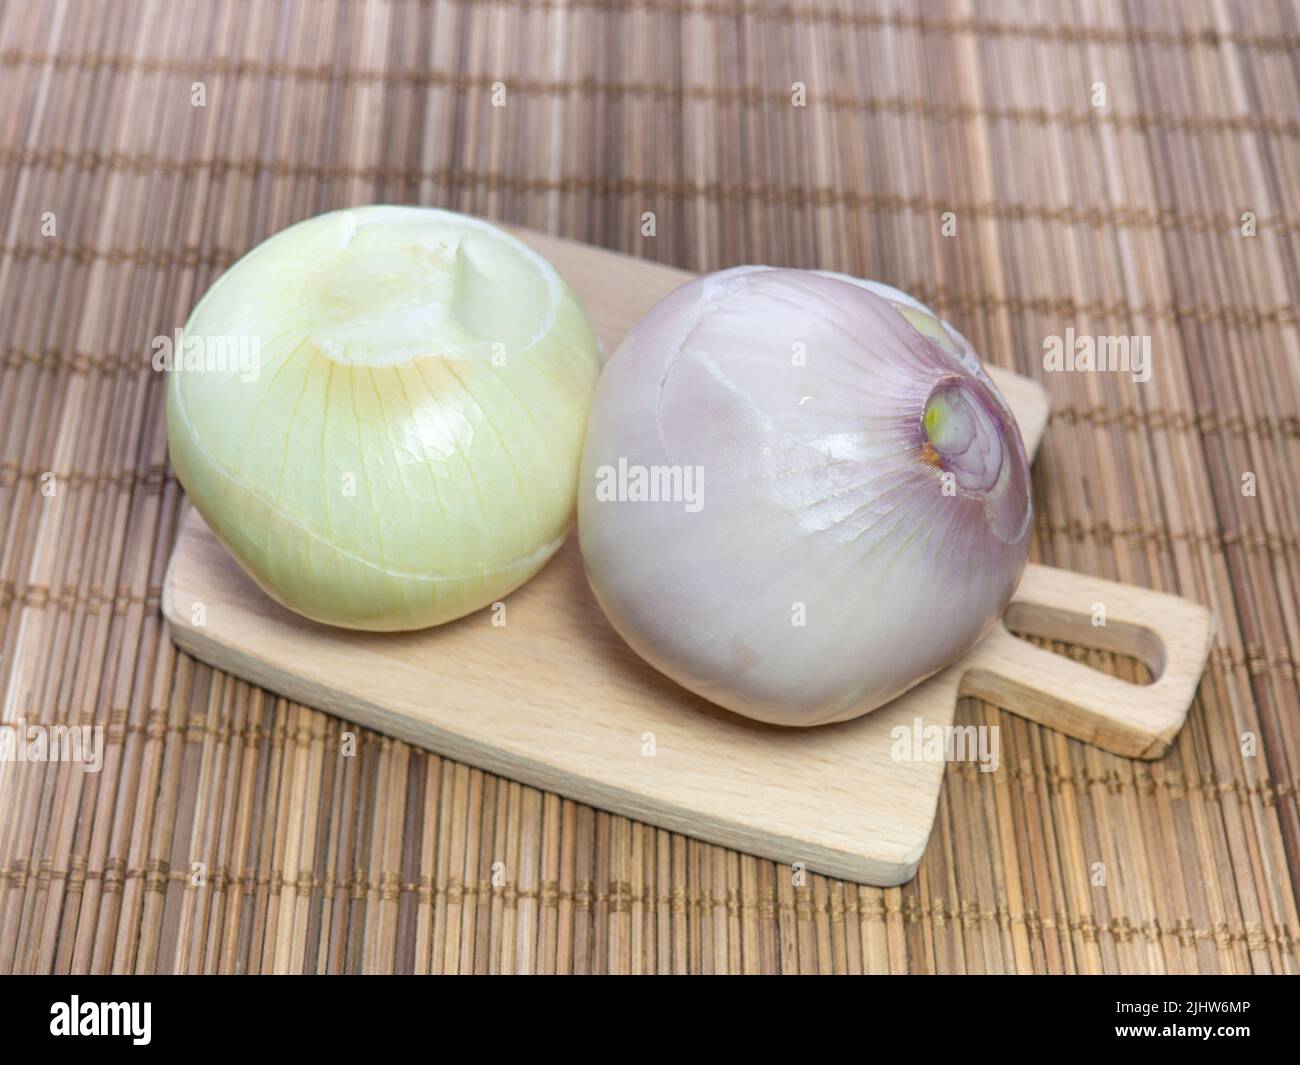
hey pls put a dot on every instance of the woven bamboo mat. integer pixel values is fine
(224, 833)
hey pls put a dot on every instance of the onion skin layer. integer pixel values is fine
(823, 496)
(408, 450)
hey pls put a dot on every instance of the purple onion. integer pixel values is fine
(800, 493)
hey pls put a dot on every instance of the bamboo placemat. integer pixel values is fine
(1121, 219)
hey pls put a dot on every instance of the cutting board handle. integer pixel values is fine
(1168, 634)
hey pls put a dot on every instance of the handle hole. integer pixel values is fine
(1132, 652)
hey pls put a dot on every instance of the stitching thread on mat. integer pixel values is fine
(1080, 781)
(1255, 659)
(751, 96)
(1063, 33)
(1162, 537)
(151, 478)
(15, 358)
(795, 197)
(1066, 307)
(620, 897)
(1204, 421)
(93, 601)
(942, 296)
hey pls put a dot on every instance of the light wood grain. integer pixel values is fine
(1170, 635)
(555, 699)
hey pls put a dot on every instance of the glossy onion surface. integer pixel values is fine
(407, 449)
(862, 512)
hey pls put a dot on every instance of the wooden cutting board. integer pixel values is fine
(555, 699)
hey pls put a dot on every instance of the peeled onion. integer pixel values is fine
(407, 449)
(800, 493)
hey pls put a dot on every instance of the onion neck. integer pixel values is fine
(963, 434)
(382, 305)
(392, 291)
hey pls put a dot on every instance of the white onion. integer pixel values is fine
(865, 507)
(407, 448)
